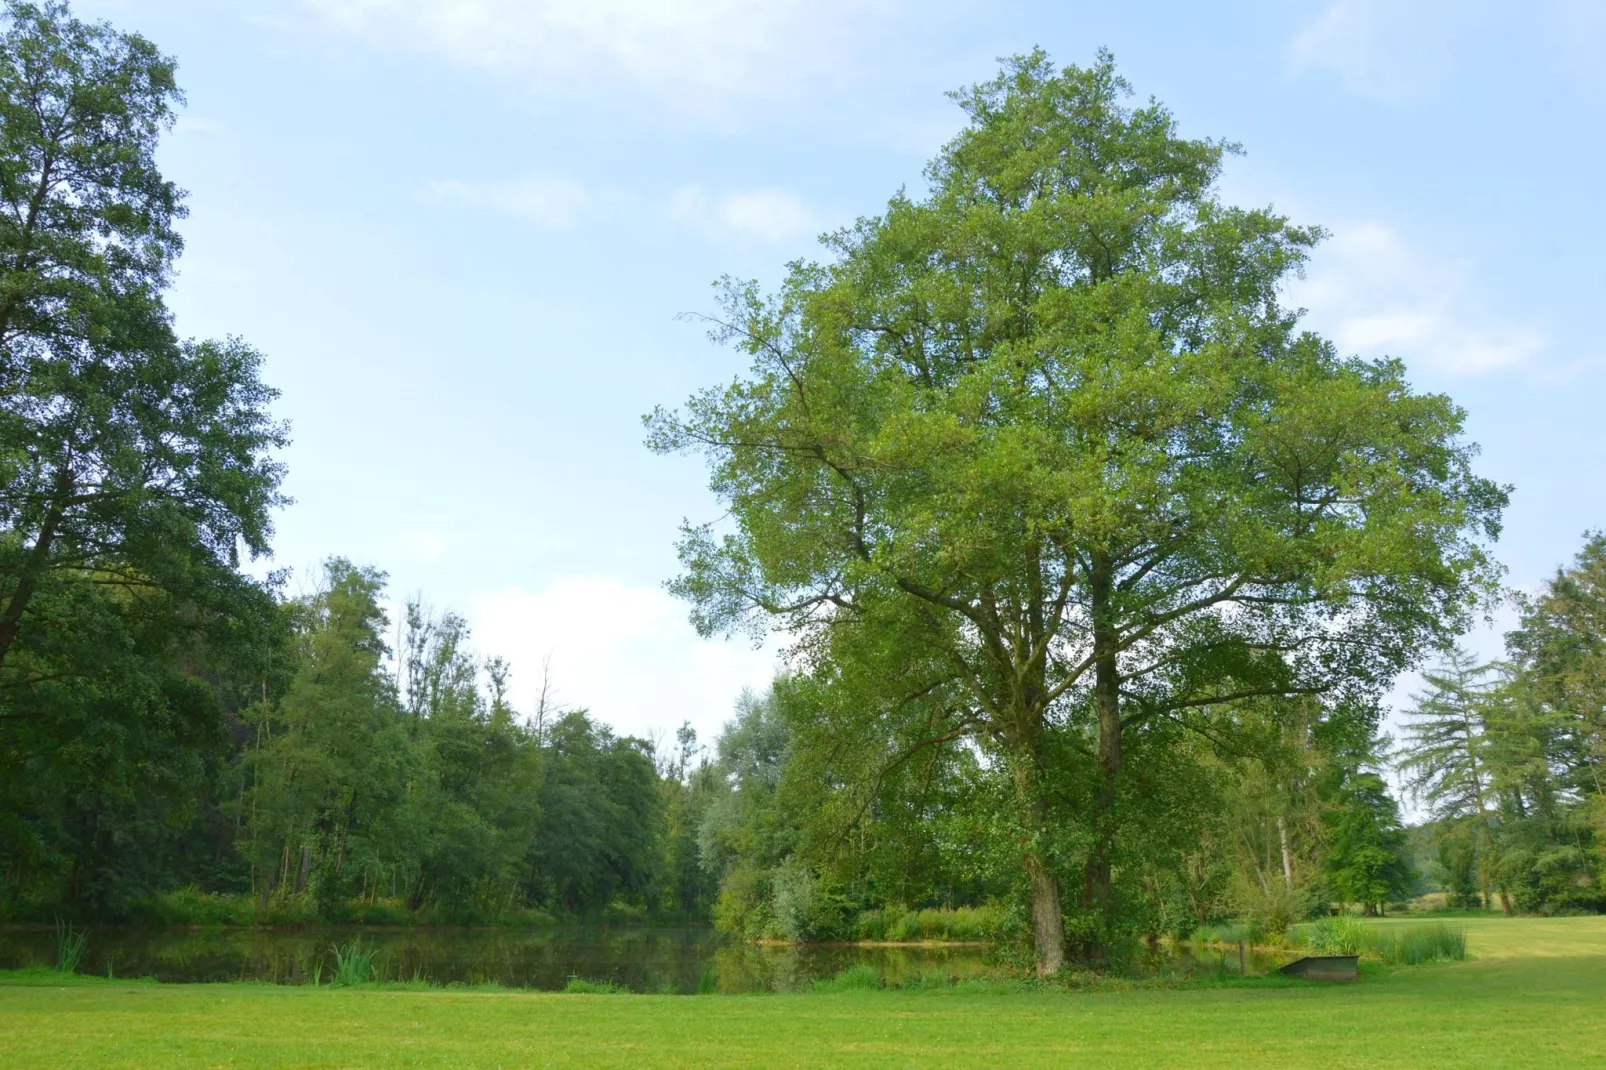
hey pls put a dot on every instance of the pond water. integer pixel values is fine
(640, 959)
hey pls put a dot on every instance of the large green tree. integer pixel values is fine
(1041, 460)
(126, 455)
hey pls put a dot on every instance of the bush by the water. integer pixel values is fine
(1343, 934)
(583, 987)
(1395, 945)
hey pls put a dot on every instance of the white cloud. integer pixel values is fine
(1373, 295)
(1384, 48)
(625, 652)
(548, 202)
(768, 214)
(702, 52)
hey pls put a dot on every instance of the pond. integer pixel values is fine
(640, 959)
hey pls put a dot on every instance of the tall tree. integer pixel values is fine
(1560, 644)
(125, 454)
(1448, 756)
(1042, 454)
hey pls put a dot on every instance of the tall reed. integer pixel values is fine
(70, 946)
(354, 962)
(1413, 945)
(1342, 935)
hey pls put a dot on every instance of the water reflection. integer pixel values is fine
(640, 959)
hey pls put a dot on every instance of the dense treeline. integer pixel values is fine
(325, 786)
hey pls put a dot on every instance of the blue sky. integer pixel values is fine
(462, 233)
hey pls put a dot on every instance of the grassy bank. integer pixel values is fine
(1530, 997)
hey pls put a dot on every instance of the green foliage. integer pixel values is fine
(1510, 755)
(580, 986)
(1038, 461)
(1365, 863)
(134, 468)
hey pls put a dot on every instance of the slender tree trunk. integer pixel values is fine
(1107, 703)
(1288, 862)
(33, 566)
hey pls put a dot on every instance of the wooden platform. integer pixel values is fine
(1323, 968)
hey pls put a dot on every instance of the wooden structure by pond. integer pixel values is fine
(1323, 968)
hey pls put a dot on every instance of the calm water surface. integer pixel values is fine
(641, 959)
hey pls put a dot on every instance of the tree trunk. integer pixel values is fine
(1107, 702)
(1048, 915)
(1288, 863)
(1048, 918)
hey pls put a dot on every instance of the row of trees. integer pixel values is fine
(333, 787)
(1508, 756)
(166, 719)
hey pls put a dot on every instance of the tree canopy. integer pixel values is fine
(1041, 454)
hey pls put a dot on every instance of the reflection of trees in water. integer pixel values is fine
(644, 960)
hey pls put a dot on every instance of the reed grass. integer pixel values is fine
(1393, 945)
(1416, 945)
(1344, 934)
(70, 945)
(354, 962)
(581, 986)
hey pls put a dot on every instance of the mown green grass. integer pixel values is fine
(1531, 997)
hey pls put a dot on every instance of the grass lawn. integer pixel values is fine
(1534, 996)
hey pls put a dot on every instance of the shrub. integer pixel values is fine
(792, 901)
(1344, 934)
(580, 986)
